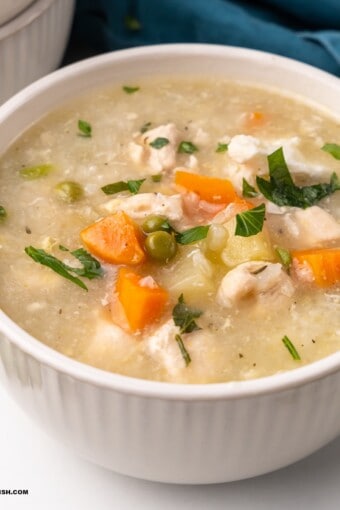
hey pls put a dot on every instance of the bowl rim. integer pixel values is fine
(276, 383)
(24, 18)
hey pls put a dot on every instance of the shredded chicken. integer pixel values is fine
(156, 160)
(162, 346)
(142, 205)
(306, 228)
(261, 280)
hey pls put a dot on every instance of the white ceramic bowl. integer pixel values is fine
(32, 44)
(10, 8)
(159, 431)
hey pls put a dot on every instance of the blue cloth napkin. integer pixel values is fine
(305, 30)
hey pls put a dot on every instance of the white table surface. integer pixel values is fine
(58, 480)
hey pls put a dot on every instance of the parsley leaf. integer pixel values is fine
(159, 143)
(187, 148)
(130, 90)
(248, 190)
(281, 190)
(333, 149)
(291, 348)
(184, 317)
(117, 187)
(145, 127)
(192, 234)
(35, 172)
(184, 352)
(46, 259)
(250, 223)
(3, 213)
(85, 129)
(222, 147)
(91, 267)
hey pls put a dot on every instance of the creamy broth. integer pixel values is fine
(241, 335)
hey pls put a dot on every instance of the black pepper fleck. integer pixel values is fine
(28, 230)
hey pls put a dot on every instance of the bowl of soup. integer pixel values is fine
(169, 260)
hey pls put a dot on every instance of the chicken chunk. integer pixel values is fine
(162, 346)
(157, 160)
(263, 281)
(305, 228)
(142, 205)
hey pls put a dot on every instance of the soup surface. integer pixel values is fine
(182, 230)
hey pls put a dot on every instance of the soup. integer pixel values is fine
(180, 230)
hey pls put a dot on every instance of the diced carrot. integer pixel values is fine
(115, 239)
(142, 302)
(211, 189)
(323, 263)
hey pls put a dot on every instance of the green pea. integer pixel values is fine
(69, 191)
(153, 223)
(161, 246)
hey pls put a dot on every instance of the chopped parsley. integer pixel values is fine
(222, 147)
(281, 190)
(85, 129)
(184, 352)
(117, 187)
(145, 127)
(3, 213)
(248, 190)
(333, 149)
(35, 172)
(130, 90)
(187, 148)
(250, 223)
(291, 348)
(192, 234)
(184, 316)
(91, 267)
(159, 143)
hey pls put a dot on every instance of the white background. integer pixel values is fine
(58, 480)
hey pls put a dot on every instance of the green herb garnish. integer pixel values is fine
(91, 267)
(130, 90)
(192, 234)
(248, 190)
(184, 352)
(156, 178)
(35, 172)
(187, 148)
(85, 129)
(333, 149)
(288, 344)
(284, 256)
(281, 190)
(250, 223)
(132, 23)
(159, 143)
(222, 147)
(117, 187)
(184, 316)
(3, 213)
(145, 127)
